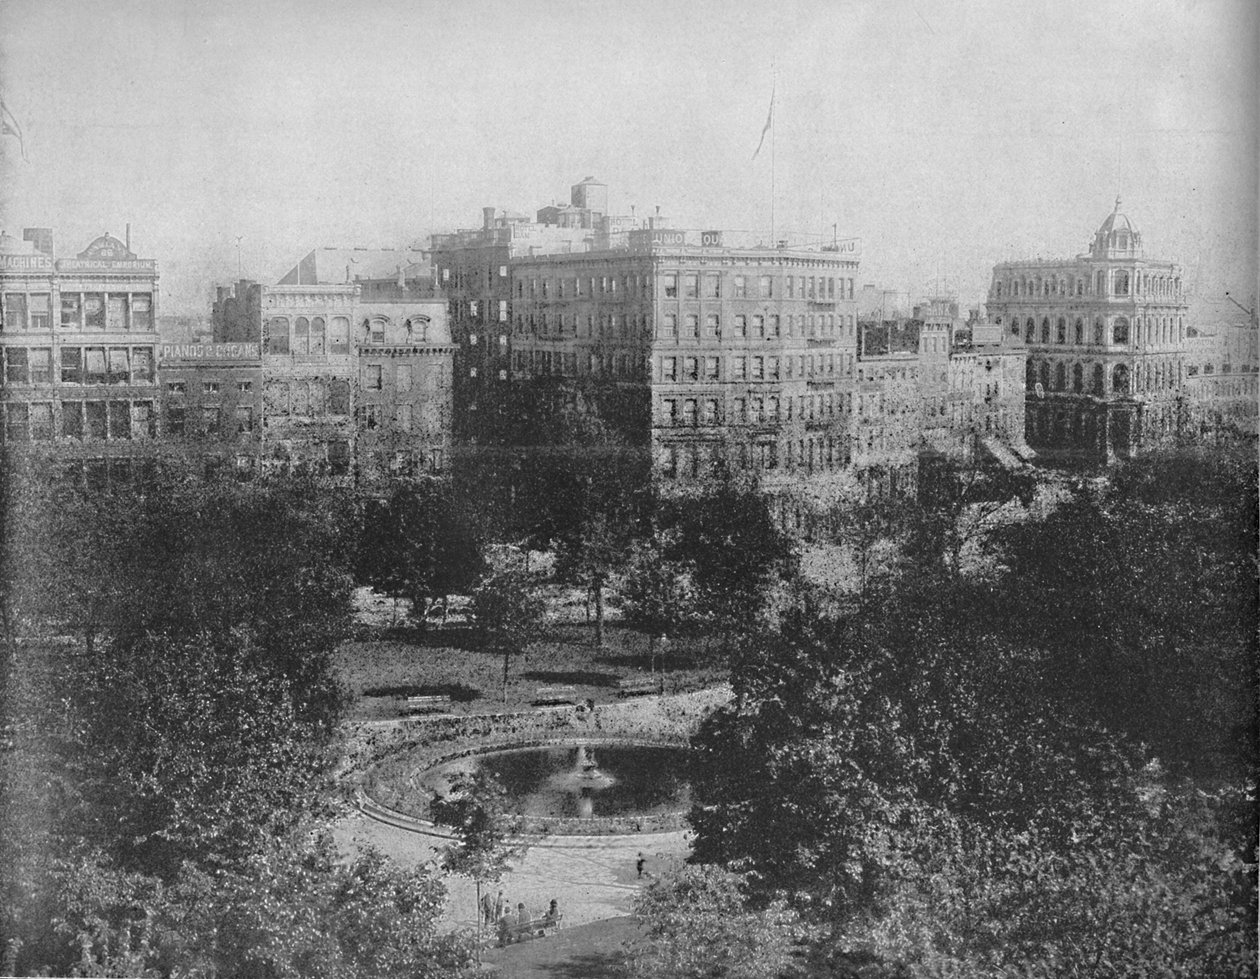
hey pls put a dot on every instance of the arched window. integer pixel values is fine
(1098, 331)
(318, 333)
(1100, 284)
(1061, 330)
(277, 339)
(1045, 330)
(1078, 379)
(1120, 379)
(1120, 330)
(1080, 287)
(1122, 283)
(1079, 332)
(1060, 377)
(1098, 380)
(301, 335)
(339, 335)
(1031, 330)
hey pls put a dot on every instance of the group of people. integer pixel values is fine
(498, 911)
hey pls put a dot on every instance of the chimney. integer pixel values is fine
(128, 242)
(487, 218)
(41, 238)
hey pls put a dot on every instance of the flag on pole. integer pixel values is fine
(9, 127)
(766, 128)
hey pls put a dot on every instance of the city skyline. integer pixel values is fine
(947, 136)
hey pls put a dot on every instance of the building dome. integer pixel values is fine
(1117, 237)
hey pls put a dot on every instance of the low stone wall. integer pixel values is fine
(385, 762)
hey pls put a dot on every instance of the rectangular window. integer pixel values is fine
(710, 416)
(41, 415)
(774, 324)
(766, 287)
(669, 325)
(339, 397)
(741, 368)
(210, 419)
(72, 419)
(691, 368)
(16, 365)
(143, 423)
(713, 286)
(174, 419)
(759, 326)
(97, 426)
(690, 325)
(116, 313)
(689, 413)
(142, 311)
(758, 368)
(14, 311)
(209, 387)
(40, 311)
(402, 418)
(669, 369)
(16, 424)
(374, 377)
(711, 367)
(93, 311)
(741, 287)
(119, 368)
(741, 326)
(773, 368)
(691, 285)
(376, 331)
(244, 387)
(41, 365)
(71, 365)
(276, 336)
(70, 312)
(142, 365)
(712, 327)
(402, 378)
(671, 285)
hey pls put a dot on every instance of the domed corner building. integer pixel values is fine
(1105, 335)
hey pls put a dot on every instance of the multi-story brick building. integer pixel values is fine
(212, 404)
(355, 372)
(1105, 334)
(697, 350)
(78, 340)
(1221, 385)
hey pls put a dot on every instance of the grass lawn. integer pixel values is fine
(385, 664)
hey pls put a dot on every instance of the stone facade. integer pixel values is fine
(1105, 334)
(78, 338)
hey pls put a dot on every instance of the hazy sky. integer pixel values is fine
(946, 134)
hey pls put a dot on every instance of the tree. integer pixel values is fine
(698, 924)
(509, 614)
(959, 503)
(476, 808)
(655, 593)
(728, 541)
(419, 545)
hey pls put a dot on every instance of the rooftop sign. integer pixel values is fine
(26, 263)
(106, 265)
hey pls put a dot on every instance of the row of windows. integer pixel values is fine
(372, 417)
(1150, 331)
(754, 368)
(695, 285)
(307, 398)
(692, 412)
(208, 387)
(698, 460)
(565, 363)
(208, 420)
(42, 421)
(96, 311)
(1144, 284)
(314, 336)
(79, 365)
(1148, 377)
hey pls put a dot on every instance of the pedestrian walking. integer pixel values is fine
(498, 906)
(638, 864)
(487, 909)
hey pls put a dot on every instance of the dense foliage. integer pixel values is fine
(171, 712)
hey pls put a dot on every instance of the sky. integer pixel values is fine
(947, 135)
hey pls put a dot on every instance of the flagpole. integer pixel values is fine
(774, 85)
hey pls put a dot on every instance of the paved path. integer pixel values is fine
(592, 878)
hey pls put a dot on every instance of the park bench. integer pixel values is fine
(426, 705)
(511, 933)
(555, 695)
(631, 687)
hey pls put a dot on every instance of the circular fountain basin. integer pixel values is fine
(582, 781)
